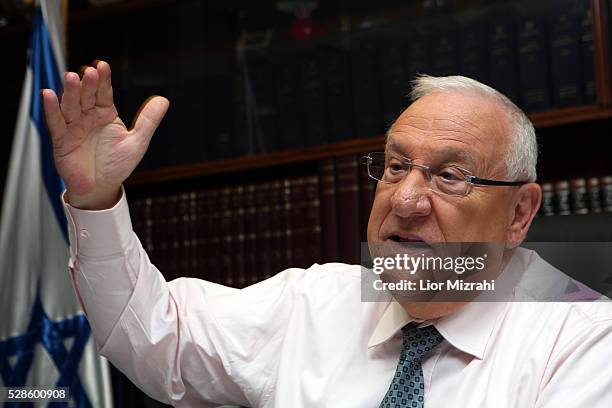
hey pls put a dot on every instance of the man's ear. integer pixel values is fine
(526, 204)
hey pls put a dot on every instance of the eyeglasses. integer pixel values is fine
(448, 180)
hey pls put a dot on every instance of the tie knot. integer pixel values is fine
(418, 341)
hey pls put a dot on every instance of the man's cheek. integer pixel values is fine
(377, 215)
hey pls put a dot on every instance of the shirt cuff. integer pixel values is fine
(98, 233)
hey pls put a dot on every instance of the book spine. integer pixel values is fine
(502, 57)
(289, 102)
(214, 267)
(565, 72)
(473, 52)
(184, 236)
(347, 187)
(367, 97)
(606, 193)
(159, 249)
(219, 109)
(189, 135)
(242, 143)
(225, 238)
(338, 94)
(329, 233)
(444, 57)
(312, 221)
(265, 109)
(395, 80)
(587, 53)
(194, 267)
(314, 102)
(251, 235)
(263, 208)
(285, 251)
(418, 61)
(578, 196)
(594, 195)
(533, 64)
(547, 207)
(147, 238)
(562, 198)
(279, 207)
(296, 230)
(238, 236)
(202, 236)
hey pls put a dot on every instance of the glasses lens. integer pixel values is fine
(376, 165)
(450, 181)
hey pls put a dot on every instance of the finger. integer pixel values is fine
(82, 69)
(53, 115)
(71, 106)
(89, 87)
(104, 95)
(149, 117)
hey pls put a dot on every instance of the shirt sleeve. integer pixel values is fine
(579, 373)
(164, 335)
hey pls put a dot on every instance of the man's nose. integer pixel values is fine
(411, 198)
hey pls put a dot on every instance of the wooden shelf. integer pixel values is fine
(348, 147)
(353, 146)
(566, 116)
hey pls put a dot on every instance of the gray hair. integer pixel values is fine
(522, 155)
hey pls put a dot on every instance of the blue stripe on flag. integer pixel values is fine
(41, 330)
(45, 75)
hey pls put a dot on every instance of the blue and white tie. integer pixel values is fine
(407, 388)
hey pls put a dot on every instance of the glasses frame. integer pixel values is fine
(469, 178)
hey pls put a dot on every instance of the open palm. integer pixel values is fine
(94, 151)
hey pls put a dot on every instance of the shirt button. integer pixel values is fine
(84, 233)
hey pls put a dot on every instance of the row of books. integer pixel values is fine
(238, 235)
(354, 84)
(577, 196)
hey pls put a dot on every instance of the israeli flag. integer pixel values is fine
(45, 340)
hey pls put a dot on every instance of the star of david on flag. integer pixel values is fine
(45, 340)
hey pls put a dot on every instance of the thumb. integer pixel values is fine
(149, 116)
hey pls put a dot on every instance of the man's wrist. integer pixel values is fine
(100, 200)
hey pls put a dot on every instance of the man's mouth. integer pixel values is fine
(405, 238)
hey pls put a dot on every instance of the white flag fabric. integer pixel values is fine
(45, 340)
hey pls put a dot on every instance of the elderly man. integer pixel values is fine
(465, 172)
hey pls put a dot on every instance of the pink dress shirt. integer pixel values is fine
(303, 338)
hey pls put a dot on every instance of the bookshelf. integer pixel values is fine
(178, 227)
(551, 118)
(354, 146)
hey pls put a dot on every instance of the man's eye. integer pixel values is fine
(395, 167)
(449, 175)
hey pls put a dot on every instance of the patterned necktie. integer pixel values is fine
(407, 388)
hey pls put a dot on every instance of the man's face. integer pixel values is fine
(454, 129)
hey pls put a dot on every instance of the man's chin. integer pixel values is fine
(429, 310)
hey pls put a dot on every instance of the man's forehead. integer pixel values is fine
(438, 151)
(455, 112)
(463, 128)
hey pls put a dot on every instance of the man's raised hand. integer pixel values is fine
(94, 151)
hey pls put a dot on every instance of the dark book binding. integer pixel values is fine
(338, 93)
(587, 53)
(533, 64)
(564, 55)
(347, 210)
(313, 94)
(502, 57)
(327, 194)
(366, 85)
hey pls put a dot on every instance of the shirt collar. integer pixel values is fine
(469, 329)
